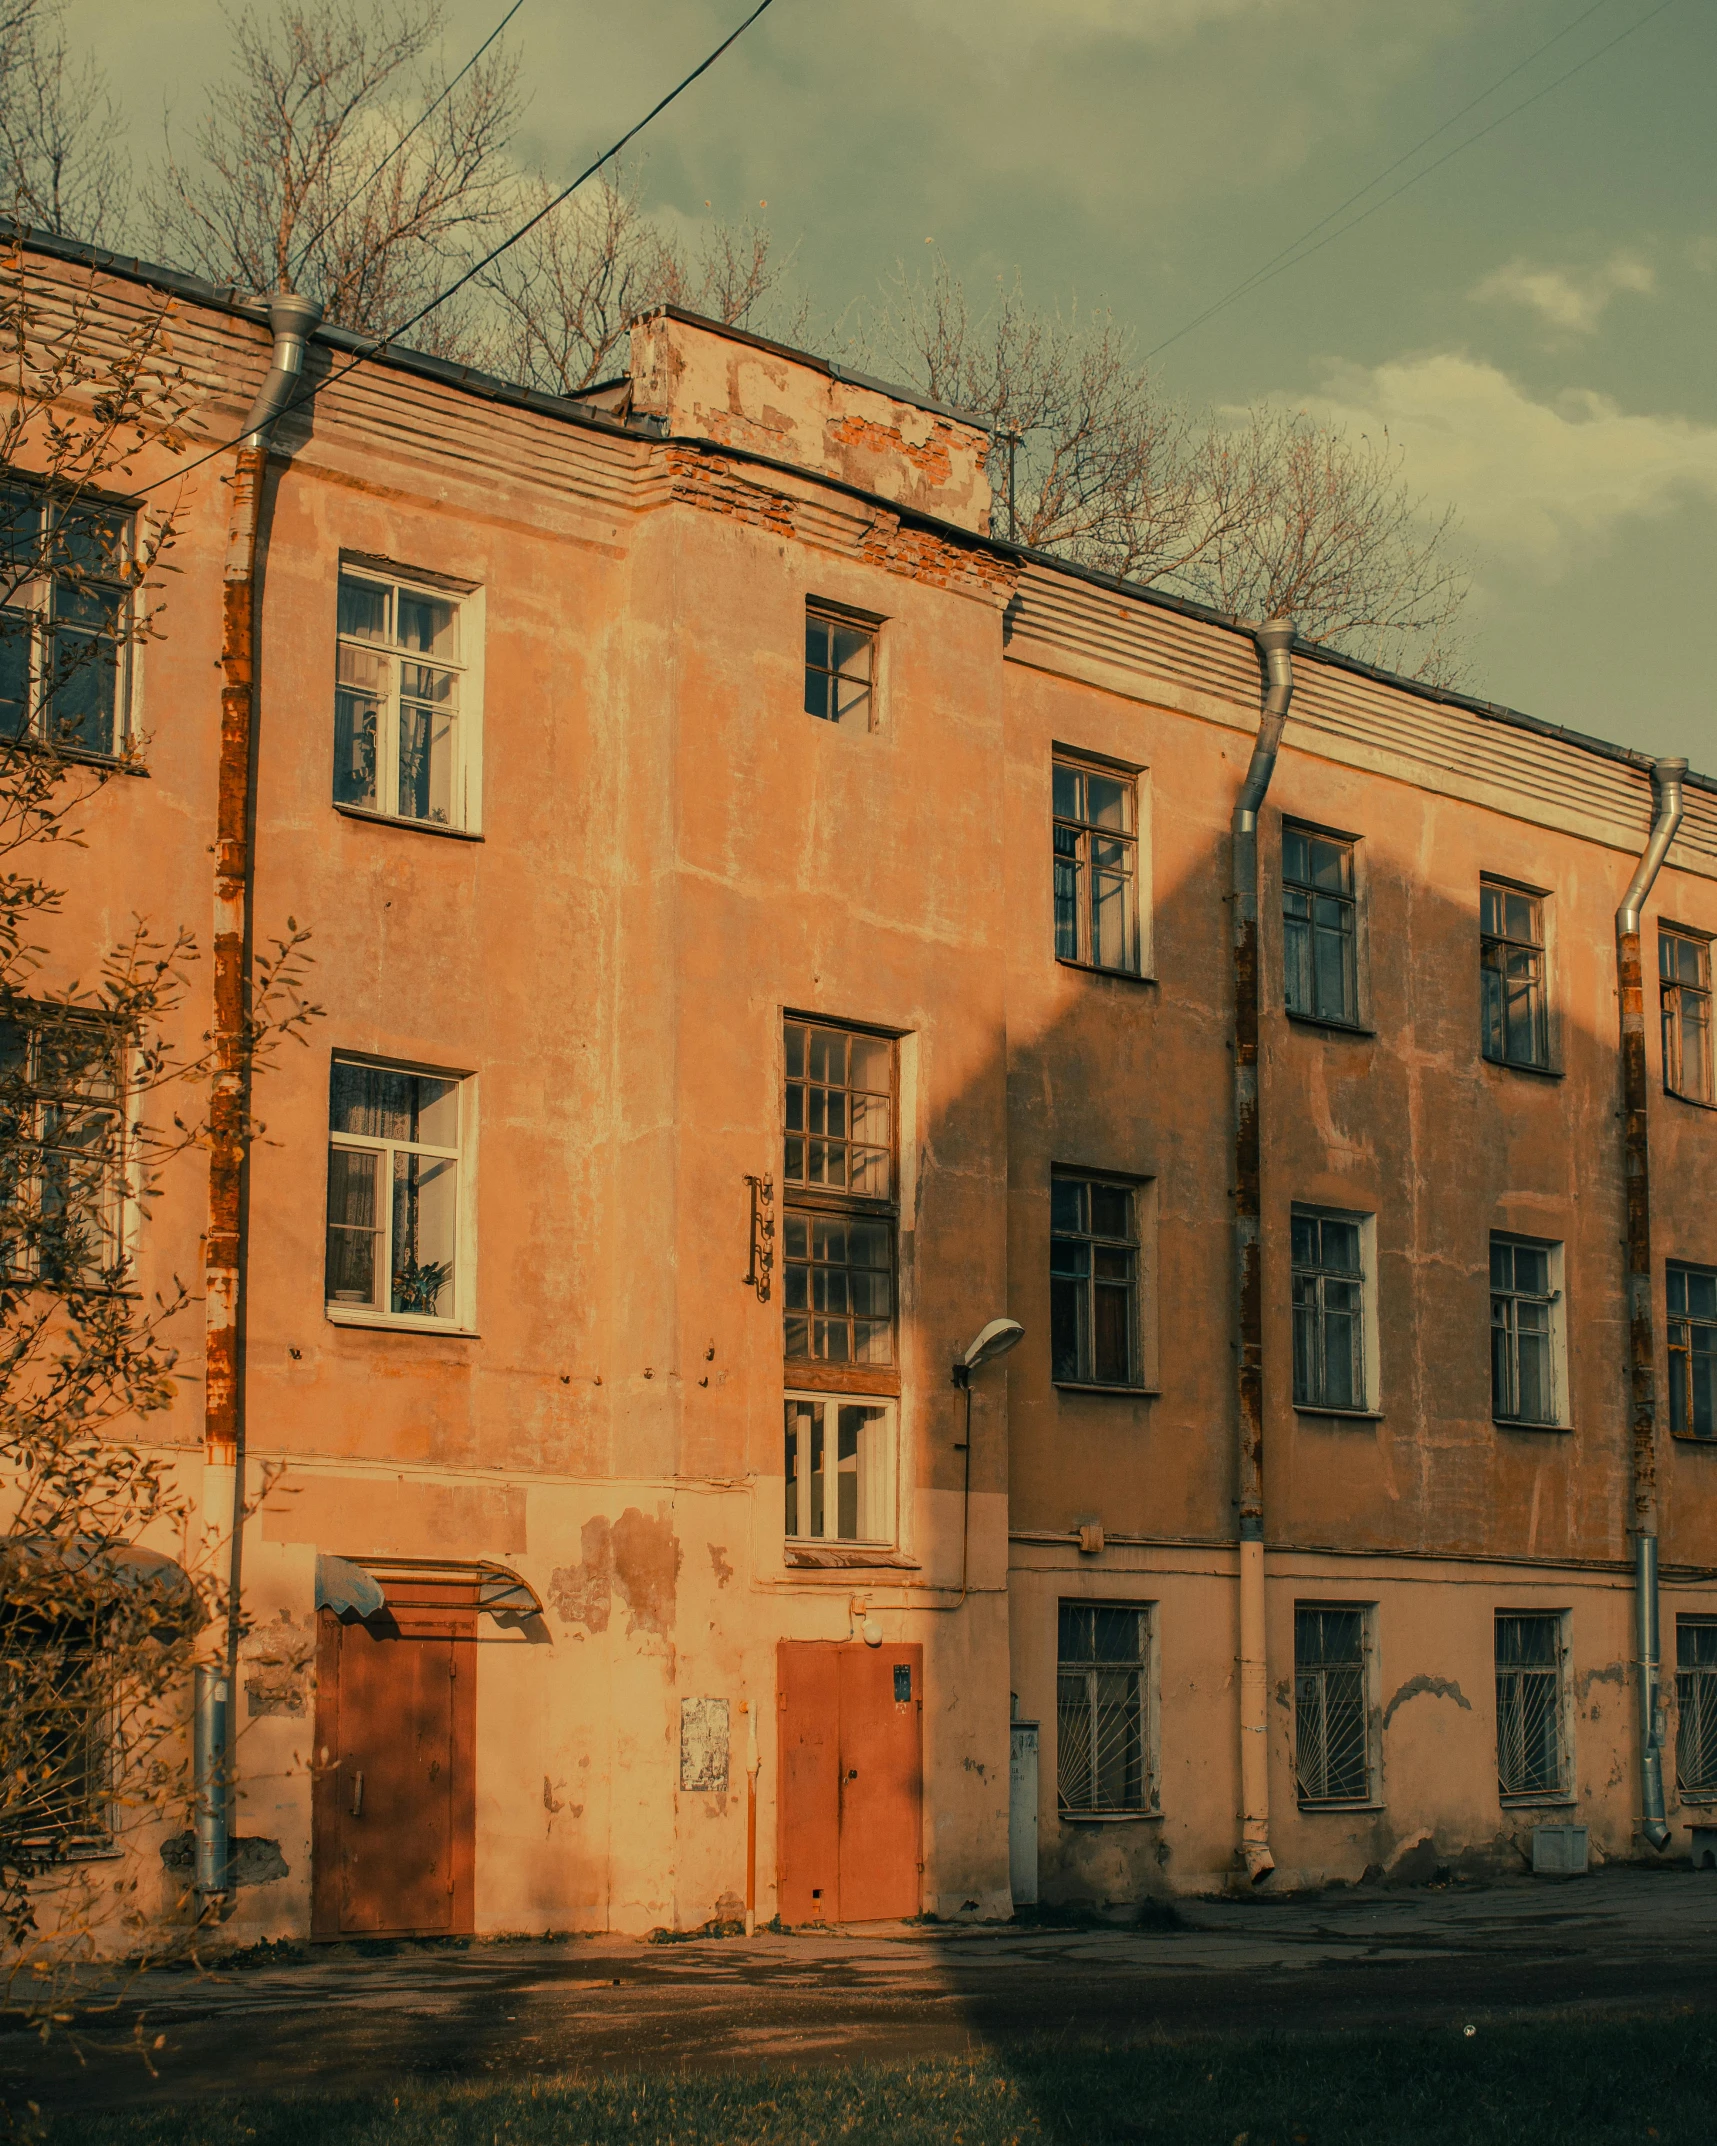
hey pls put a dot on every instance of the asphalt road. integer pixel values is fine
(343, 2020)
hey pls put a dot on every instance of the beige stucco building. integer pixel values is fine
(766, 930)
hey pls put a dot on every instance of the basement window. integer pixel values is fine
(1696, 1706)
(1533, 1761)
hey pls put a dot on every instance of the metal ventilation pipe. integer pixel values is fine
(292, 320)
(1275, 642)
(1667, 806)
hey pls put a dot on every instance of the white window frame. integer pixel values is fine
(467, 598)
(877, 1504)
(1370, 1336)
(1563, 1793)
(463, 1318)
(1372, 1796)
(34, 600)
(1560, 1417)
(117, 1217)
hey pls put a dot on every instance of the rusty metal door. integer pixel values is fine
(394, 1801)
(851, 1722)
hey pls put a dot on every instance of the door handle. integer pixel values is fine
(357, 1795)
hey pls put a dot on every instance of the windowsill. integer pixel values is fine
(79, 756)
(880, 1380)
(1343, 1415)
(1698, 1799)
(1333, 1809)
(1318, 1020)
(1126, 1393)
(1515, 1065)
(847, 1557)
(1092, 968)
(1563, 1800)
(1516, 1423)
(1693, 1102)
(1692, 1438)
(1108, 1818)
(384, 1323)
(417, 827)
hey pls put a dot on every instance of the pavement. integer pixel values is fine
(343, 2018)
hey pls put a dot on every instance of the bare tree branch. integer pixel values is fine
(60, 168)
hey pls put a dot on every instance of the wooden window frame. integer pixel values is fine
(1496, 947)
(462, 1317)
(1143, 1669)
(1551, 1297)
(466, 670)
(1681, 1326)
(1071, 840)
(1133, 1246)
(1297, 928)
(1674, 992)
(860, 713)
(876, 1492)
(1562, 1792)
(37, 598)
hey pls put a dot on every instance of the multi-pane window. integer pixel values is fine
(61, 1137)
(1096, 867)
(1332, 1712)
(1684, 983)
(1531, 1741)
(1103, 1756)
(398, 747)
(1319, 926)
(1696, 1705)
(1511, 961)
(53, 1689)
(1329, 1310)
(840, 667)
(393, 1192)
(1692, 1306)
(838, 1179)
(64, 621)
(1093, 1281)
(837, 1468)
(1522, 1332)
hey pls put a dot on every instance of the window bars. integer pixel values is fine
(1319, 926)
(1329, 1311)
(1096, 867)
(1691, 1302)
(1696, 1705)
(397, 747)
(1516, 1028)
(1103, 1763)
(1522, 1336)
(1684, 986)
(1531, 1755)
(1332, 1742)
(1093, 1281)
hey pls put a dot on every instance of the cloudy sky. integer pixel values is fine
(1532, 321)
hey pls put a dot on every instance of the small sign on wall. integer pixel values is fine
(703, 1744)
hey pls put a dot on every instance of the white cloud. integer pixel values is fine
(1570, 299)
(1536, 482)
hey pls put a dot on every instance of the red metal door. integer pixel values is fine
(394, 1788)
(851, 1781)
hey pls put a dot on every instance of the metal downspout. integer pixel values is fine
(1274, 642)
(1667, 805)
(292, 320)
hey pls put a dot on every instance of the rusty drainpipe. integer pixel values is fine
(1274, 643)
(292, 320)
(1667, 805)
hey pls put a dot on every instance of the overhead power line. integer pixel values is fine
(328, 223)
(380, 343)
(1299, 249)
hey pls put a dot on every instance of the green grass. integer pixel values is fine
(1555, 2083)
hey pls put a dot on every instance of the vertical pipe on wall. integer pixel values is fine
(1667, 805)
(1274, 643)
(291, 321)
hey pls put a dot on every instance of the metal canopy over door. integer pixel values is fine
(394, 1795)
(852, 1777)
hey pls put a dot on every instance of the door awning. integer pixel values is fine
(363, 1587)
(346, 1589)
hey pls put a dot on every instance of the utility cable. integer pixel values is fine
(322, 229)
(310, 392)
(1292, 254)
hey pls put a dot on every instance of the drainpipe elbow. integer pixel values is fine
(1275, 643)
(1654, 1831)
(1668, 804)
(1258, 1860)
(292, 321)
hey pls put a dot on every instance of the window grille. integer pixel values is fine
(65, 577)
(1096, 867)
(399, 678)
(839, 1218)
(393, 1192)
(1531, 1755)
(838, 1469)
(1696, 1705)
(1319, 926)
(1511, 961)
(1684, 986)
(1329, 1310)
(1691, 1294)
(1104, 1765)
(1522, 1332)
(61, 1132)
(55, 1734)
(1093, 1281)
(840, 667)
(1332, 1714)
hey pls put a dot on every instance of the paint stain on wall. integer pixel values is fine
(1426, 1687)
(582, 1593)
(635, 1556)
(718, 1563)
